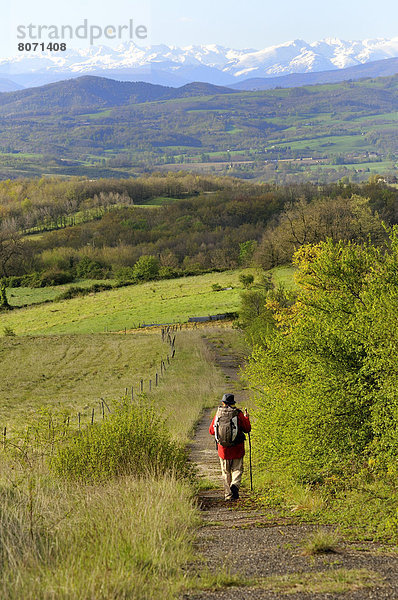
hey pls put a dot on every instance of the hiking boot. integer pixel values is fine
(234, 491)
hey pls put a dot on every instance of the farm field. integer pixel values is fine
(71, 373)
(167, 301)
(29, 296)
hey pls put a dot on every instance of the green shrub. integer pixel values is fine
(132, 440)
(73, 292)
(125, 276)
(53, 277)
(146, 268)
(327, 371)
(246, 280)
(91, 269)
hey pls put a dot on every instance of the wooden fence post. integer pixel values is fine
(4, 437)
(141, 385)
(92, 416)
(132, 394)
(150, 385)
(156, 379)
(78, 418)
(106, 404)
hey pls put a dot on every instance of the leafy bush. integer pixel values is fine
(91, 269)
(146, 268)
(327, 372)
(133, 440)
(73, 292)
(246, 280)
(76, 290)
(124, 276)
(52, 277)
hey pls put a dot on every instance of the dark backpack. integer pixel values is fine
(226, 427)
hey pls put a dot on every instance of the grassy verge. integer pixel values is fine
(126, 539)
(337, 581)
(364, 508)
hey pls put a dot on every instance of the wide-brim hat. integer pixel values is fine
(229, 399)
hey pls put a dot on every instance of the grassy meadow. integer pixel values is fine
(166, 301)
(25, 296)
(71, 373)
(126, 537)
(154, 302)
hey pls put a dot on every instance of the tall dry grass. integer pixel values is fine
(126, 539)
(192, 383)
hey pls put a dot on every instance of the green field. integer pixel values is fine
(156, 302)
(23, 296)
(72, 372)
(168, 301)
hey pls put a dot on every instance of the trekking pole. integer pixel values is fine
(250, 458)
(250, 461)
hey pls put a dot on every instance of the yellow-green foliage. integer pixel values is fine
(327, 373)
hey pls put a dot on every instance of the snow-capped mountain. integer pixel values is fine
(171, 65)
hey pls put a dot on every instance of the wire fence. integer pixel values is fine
(58, 426)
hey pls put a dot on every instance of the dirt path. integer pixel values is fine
(258, 544)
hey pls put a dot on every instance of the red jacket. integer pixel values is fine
(234, 451)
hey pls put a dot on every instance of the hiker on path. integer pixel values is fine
(229, 426)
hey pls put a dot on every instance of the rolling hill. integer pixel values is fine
(95, 127)
(95, 93)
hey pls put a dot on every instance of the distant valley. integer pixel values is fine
(99, 127)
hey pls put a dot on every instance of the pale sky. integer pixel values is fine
(236, 24)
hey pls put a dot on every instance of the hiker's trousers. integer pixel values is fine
(232, 471)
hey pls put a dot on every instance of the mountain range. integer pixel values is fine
(175, 67)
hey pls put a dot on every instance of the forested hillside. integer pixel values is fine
(97, 127)
(54, 230)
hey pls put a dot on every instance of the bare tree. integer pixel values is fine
(11, 248)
